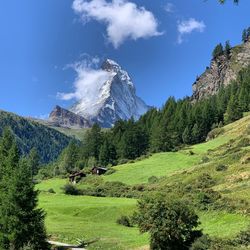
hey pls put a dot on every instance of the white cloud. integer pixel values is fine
(42, 117)
(188, 26)
(88, 81)
(169, 7)
(124, 20)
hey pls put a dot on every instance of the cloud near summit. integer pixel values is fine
(124, 20)
(88, 81)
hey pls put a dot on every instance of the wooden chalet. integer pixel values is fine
(76, 177)
(98, 170)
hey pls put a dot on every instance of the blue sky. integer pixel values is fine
(163, 45)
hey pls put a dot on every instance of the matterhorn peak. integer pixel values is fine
(115, 99)
(110, 66)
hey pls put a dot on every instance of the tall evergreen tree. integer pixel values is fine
(244, 35)
(34, 161)
(21, 223)
(227, 49)
(233, 112)
(70, 157)
(218, 51)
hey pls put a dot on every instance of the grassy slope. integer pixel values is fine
(163, 164)
(71, 217)
(75, 217)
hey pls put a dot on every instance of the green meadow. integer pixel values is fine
(94, 218)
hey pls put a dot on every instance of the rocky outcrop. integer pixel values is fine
(222, 71)
(61, 117)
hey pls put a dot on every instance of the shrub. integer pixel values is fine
(124, 220)
(70, 190)
(207, 198)
(191, 152)
(244, 142)
(243, 238)
(204, 159)
(202, 243)
(221, 167)
(214, 133)
(204, 181)
(52, 191)
(170, 223)
(153, 179)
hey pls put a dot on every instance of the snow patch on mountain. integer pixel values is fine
(105, 95)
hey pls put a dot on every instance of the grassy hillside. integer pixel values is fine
(224, 161)
(163, 164)
(29, 134)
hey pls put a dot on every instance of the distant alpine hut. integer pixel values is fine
(98, 170)
(76, 177)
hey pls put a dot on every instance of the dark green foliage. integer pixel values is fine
(221, 167)
(227, 49)
(204, 181)
(52, 191)
(233, 112)
(34, 161)
(245, 35)
(218, 51)
(202, 243)
(70, 158)
(170, 223)
(48, 142)
(71, 189)
(243, 238)
(21, 222)
(124, 220)
(153, 179)
(186, 136)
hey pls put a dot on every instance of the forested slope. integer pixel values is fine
(48, 142)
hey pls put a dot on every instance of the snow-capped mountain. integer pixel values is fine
(115, 98)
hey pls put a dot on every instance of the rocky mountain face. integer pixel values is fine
(61, 117)
(116, 100)
(222, 71)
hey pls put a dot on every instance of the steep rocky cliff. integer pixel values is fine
(61, 117)
(222, 71)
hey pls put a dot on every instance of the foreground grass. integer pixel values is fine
(72, 217)
(81, 217)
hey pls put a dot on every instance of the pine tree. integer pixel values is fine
(186, 136)
(34, 161)
(244, 36)
(196, 134)
(248, 33)
(218, 51)
(107, 152)
(233, 112)
(227, 49)
(21, 223)
(93, 141)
